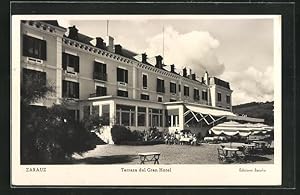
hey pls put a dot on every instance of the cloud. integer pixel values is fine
(195, 50)
(251, 84)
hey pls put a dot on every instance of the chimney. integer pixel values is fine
(172, 68)
(184, 72)
(206, 78)
(194, 76)
(100, 43)
(110, 43)
(144, 58)
(73, 32)
(118, 49)
(190, 71)
(158, 61)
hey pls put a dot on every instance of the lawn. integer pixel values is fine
(170, 154)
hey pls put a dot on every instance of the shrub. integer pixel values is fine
(120, 134)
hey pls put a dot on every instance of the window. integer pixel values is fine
(173, 118)
(122, 75)
(144, 97)
(125, 115)
(160, 85)
(95, 109)
(204, 95)
(122, 93)
(155, 118)
(219, 97)
(35, 48)
(34, 77)
(196, 94)
(70, 62)
(159, 98)
(70, 89)
(186, 91)
(105, 114)
(172, 87)
(141, 116)
(101, 91)
(145, 81)
(228, 99)
(86, 111)
(100, 71)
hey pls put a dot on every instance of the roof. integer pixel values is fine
(129, 54)
(53, 23)
(220, 82)
(84, 39)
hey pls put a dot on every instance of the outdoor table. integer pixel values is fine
(185, 140)
(261, 144)
(149, 156)
(230, 151)
(251, 146)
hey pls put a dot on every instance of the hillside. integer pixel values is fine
(257, 109)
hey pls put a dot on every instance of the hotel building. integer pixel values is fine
(121, 85)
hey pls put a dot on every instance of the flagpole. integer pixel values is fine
(107, 21)
(163, 41)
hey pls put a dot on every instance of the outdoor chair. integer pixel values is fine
(223, 158)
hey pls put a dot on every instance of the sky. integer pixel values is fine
(239, 51)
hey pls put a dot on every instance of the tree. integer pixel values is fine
(50, 135)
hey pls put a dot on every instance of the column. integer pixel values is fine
(100, 110)
(181, 117)
(134, 80)
(136, 116)
(58, 69)
(112, 113)
(147, 117)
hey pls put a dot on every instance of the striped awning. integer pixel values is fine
(234, 128)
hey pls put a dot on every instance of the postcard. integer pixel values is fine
(146, 100)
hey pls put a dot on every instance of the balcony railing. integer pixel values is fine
(95, 95)
(100, 76)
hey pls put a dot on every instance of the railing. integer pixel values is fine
(95, 95)
(100, 76)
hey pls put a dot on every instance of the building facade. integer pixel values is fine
(118, 84)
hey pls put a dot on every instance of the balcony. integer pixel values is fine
(92, 95)
(100, 76)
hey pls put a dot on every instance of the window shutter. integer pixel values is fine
(25, 45)
(96, 67)
(76, 65)
(126, 76)
(104, 91)
(76, 90)
(144, 81)
(104, 68)
(64, 88)
(43, 50)
(118, 74)
(64, 61)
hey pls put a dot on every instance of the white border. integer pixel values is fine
(87, 175)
